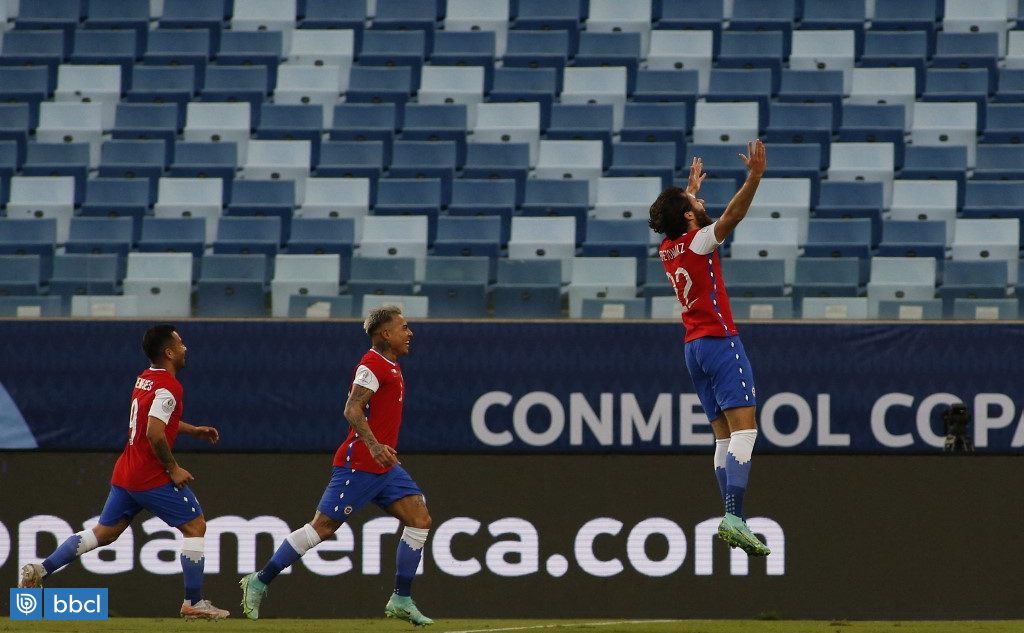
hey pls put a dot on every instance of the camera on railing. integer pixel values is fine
(956, 419)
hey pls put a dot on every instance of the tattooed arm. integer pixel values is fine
(355, 413)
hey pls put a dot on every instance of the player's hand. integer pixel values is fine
(697, 176)
(755, 159)
(384, 455)
(207, 433)
(180, 476)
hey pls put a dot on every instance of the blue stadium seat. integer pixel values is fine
(237, 84)
(322, 236)
(656, 283)
(457, 286)
(968, 50)
(232, 286)
(538, 49)
(716, 192)
(558, 198)
(668, 86)
(119, 14)
(30, 237)
(658, 122)
(180, 48)
(505, 161)
(754, 277)
(766, 15)
(381, 276)
(571, 122)
(50, 15)
(702, 15)
(148, 121)
(411, 196)
(289, 122)
(987, 199)
(550, 15)
(485, 198)
(839, 238)
(799, 123)
(469, 237)
(118, 198)
(1004, 123)
(908, 15)
(163, 84)
(875, 123)
(134, 159)
(365, 122)
(114, 46)
(380, 84)
(249, 236)
(76, 274)
(796, 160)
(837, 199)
(438, 122)
(409, 15)
(526, 84)
(1011, 85)
(937, 163)
(59, 159)
(766, 49)
(44, 49)
(14, 126)
(9, 164)
(173, 235)
(336, 14)
(840, 15)
(425, 159)
(644, 159)
(730, 84)
(20, 275)
(594, 308)
(466, 48)
(972, 280)
(272, 198)
(406, 49)
(25, 85)
(611, 49)
(913, 238)
(528, 288)
(942, 84)
(618, 238)
(202, 15)
(721, 160)
(193, 159)
(352, 159)
(889, 49)
(826, 277)
(999, 162)
(813, 86)
(252, 48)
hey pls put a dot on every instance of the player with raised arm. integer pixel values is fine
(366, 469)
(714, 354)
(147, 476)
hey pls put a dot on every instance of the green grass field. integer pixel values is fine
(238, 625)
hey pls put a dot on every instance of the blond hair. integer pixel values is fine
(378, 317)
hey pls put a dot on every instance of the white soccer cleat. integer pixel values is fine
(202, 610)
(31, 576)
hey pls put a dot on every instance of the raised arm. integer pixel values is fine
(740, 203)
(355, 413)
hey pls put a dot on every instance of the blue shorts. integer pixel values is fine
(721, 374)
(175, 506)
(351, 489)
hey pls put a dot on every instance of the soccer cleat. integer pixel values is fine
(253, 591)
(31, 576)
(403, 608)
(734, 531)
(202, 610)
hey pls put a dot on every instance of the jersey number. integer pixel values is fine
(132, 422)
(685, 296)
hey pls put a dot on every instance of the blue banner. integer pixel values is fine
(523, 386)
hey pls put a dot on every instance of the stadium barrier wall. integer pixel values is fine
(603, 536)
(514, 387)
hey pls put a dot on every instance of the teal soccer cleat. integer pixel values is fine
(403, 608)
(734, 531)
(253, 591)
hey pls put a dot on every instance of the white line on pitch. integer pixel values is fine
(564, 624)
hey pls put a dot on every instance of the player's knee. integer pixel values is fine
(195, 527)
(422, 521)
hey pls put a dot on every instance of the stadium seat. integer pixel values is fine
(755, 277)
(913, 238)
(610, 16)
(311, 85)
(656, 123)
(203, 15)
(412, 306)
(937, 163)
(173, 235)
(177, 48)
(44, 197)
(134, 159)
(466, 48)
(217, 123)
(111, 46)
(373, 276)
(322, 236)
(825, 277)
(323, 47)
(1004, 123)
(699, 15)
(926, 200)
(61, 15)
(839, 238)
(600, 278)
(410, 197)
(148, 121)
(885, 86)
(986, 199)
(14, 125)
(205, 160)
(34, 48)
(302, 274)
(320, 306)
(469, 237)
(969, 50)
(265, 15)
(337, 16)
(97, 84)
(726, 123)
(756, 49)
(366, 122)
(293, 122)
(426, 159)
(232, 286)
(897, 49)
(31, 307)
(643, 160)
(480, 15)
(656, 282)
(907, 15)
(30, 237)
(509, 123)
(759, 308)
(453, 84)
(863, 123)
(943, 84)
(972, 280)
(162, 85)
(109, 306)
(118, 197)
(842, 308)
(248, 236)
(571, 159)
(279, 160)
(191, 198)
(999, 162)
(864, 161)
(272, 198)
(618, 238)
(528, 288)
(395, 48)
(352, 159)
(837, 15)
(241, 84)
(800, 123)
(20, 275)
(625, 198)
(437, 123)
(766, 15)
(408, 15)
(25, 85)
(75, 274)
(990, 239)
(377, 85)
(519, 85)
(938, 124)
(607, 49)
(396, 237)
(596, 308)
(979, 17)
(784, 198)
(577, 122)
(163, 283)
(986, 309)
(1014, 51)
(900, 278)
(337, 198)
(668, 307)
(761, 239)
(909, 310)
(814, 86)
(102, 236)
(118, 14)
(59, 159)
(486, 198)
(457, 286)
(550, 237)
(790, 160)
(825, 49)
(72, 123)
(597, 85)
(683, 50)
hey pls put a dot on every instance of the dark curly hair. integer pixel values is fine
(667, 213)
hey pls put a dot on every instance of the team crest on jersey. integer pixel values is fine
(348, 510)
(168, 405)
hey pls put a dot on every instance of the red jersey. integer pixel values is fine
(384, 378)
(695, 271)
(158, 394)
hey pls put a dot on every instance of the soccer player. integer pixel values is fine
(366, 469)
(147, 476)
(714, 354)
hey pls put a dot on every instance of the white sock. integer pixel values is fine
(87, 543)
(192, 548)
(304, 539)
(741, 445)
(415, 538)
(721, 448)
